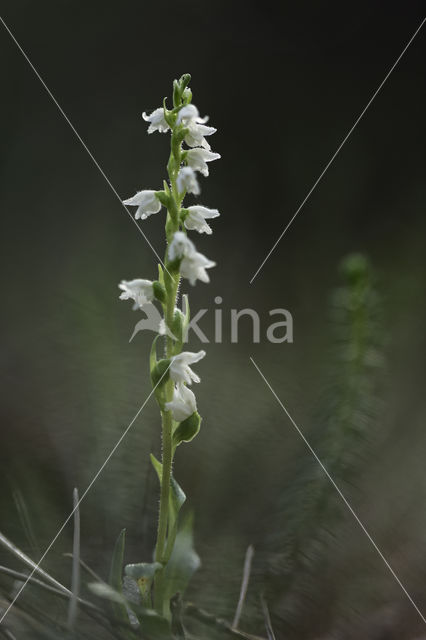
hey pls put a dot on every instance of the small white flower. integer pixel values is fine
(195, 136)
(189, 114)
(180, 246)
(196, 218)
(139, 290)
(198, 158)
(157, 120)
(187, 180)
(193, 267)
(146, 202)
(183, 404)
(180, 371)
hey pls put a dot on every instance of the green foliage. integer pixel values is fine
(184, 560)
(311, 510)
(115, 581)
(187, 429)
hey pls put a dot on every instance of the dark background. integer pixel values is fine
(283, 85)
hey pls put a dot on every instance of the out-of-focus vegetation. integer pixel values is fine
(311, 556)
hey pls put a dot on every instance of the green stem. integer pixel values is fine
(162, 550)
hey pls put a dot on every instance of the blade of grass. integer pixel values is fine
(5, 542)
(266, 615)
(25, 519)
(219, 623)
(244, 585)
(17, 575)
(75, 574)
(86, 567)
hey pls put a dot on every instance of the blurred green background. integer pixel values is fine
(283, 85)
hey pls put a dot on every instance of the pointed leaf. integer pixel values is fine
(153, 355)
(160, 274)
(183, 562)
(116, 577)
(187, 430)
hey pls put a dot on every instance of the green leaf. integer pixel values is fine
(116, 577)
(166, 187)
(177, 325)
(154, 626)
(176, 93)
(187, 429)
(159, 291)
(183, 562)
(160, 373)
(153, 355)
(163, 198)
(160, 274)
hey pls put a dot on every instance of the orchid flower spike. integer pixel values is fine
(183, 404)
(196, 218)
(146, 202)
(180, 371)
(139, 290)
(157, 120)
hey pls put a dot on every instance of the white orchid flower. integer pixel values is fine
(180, 371)
(193, 267)
(193, 264)
(157, 120)
(146, 202)
(189, 114)
(139, 290)
(180, 246)
(196, 135)
(183, 404)
(198, 158)
(196, 218)
(187, 181)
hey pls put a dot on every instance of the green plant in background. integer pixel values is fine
(307, 521)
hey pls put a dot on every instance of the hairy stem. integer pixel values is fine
(172, 226)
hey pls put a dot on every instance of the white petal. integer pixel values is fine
(180, 246)
(146, 201)
(183, 404)
(189, 112)
(204, 211)
(187, 181)
(157, 120)
(139, 290)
